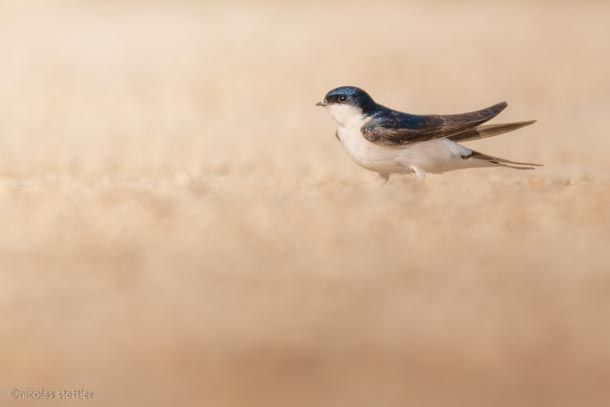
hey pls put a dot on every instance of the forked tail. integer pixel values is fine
(475, 155)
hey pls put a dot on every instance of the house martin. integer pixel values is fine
(391, 142)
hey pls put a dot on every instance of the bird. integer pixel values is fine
(388, 141)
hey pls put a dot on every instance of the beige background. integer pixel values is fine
(180, 227)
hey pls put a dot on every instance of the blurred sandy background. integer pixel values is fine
(180, 227)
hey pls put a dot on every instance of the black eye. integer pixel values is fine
(342, 98)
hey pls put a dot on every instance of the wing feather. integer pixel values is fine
(393, 128)
(489, 130)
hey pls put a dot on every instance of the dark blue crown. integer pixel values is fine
(350, 95)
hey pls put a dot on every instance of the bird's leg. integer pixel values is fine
(420, 174)
(384, 177)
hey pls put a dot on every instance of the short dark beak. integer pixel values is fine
(321, 104)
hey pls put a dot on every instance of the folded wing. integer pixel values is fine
(489, 130)
(393, 128)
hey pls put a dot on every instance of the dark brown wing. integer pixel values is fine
(489, 130)
(389, 127)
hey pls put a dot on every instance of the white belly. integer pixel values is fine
(434, 156)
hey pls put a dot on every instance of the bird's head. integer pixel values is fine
(346, 103)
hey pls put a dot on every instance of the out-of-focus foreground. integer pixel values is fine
(180, 227)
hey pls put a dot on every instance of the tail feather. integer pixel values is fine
(502, 162)
(489, 130)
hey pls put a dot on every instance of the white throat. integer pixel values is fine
(345, 115)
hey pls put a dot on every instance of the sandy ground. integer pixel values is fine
(180, 227)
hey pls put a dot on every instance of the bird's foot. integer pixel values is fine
(420, 175)
(384, 178)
